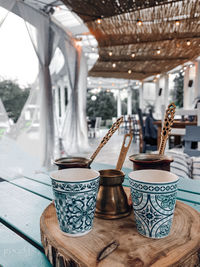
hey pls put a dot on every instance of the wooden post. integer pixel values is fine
(129, 102)
(119, 105)
(157, 104)
(141, 95)
(166, 90)
(186, 91)
(197, 79)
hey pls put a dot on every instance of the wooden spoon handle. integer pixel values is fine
(168, 122)
(124, 150)
(114, 127)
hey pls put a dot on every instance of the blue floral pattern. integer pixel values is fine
(153, 206)
(166, 202)
(164, 229)
(136, 197)
(74, 187)
(75, 205)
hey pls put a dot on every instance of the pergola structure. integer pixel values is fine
(138, 39)
(141, 39)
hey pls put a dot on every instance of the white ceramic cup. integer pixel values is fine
(75, 191)
(154, 196)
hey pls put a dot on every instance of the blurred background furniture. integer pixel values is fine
(178, 130)
(147, 141)
(191, 138)
(183, 118)
(94, 127)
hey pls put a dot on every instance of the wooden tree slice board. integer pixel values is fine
(181, 248)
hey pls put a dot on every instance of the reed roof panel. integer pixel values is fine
(169, 34)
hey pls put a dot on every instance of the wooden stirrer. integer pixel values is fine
(168, 122)
(114, 127)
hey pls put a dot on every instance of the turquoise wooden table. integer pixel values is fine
(22, 202)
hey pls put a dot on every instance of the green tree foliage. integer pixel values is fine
(105, 106)
(13, 98)
(177, 93)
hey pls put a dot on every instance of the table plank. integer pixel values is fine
(189, 185)
(15, 251)
(22, 210)
(40, 177)
(34, 187)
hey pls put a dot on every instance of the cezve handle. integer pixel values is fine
(114, 128)
(168, 122)
(124, 150)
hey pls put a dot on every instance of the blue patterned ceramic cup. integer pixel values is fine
(75, 191)
(154, 196)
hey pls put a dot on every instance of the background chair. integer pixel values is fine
(95, 128)
(135, 128)
(144, 144)
(192, 135)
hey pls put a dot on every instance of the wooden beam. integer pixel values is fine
(117, 41)
(122, 75)
(104, 59)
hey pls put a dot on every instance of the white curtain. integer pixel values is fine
(8, 6)
(34, 130)
(74, 130)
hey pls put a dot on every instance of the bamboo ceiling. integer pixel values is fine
(169, 35)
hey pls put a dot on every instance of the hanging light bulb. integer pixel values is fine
(133, 55)
(110, 53)
(177, 22)
(188, 42)
(99, 21)
(114, 65)
(158, 52)
(129, 71)
(139, 22)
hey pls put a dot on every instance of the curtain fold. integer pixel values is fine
(35, 129)
(8, 6)
(44, 40)
(74, 130)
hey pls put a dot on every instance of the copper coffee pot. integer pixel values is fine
(150, 161)
(111, 199)
(157, 161)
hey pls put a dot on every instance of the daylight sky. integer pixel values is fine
(17, 56)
